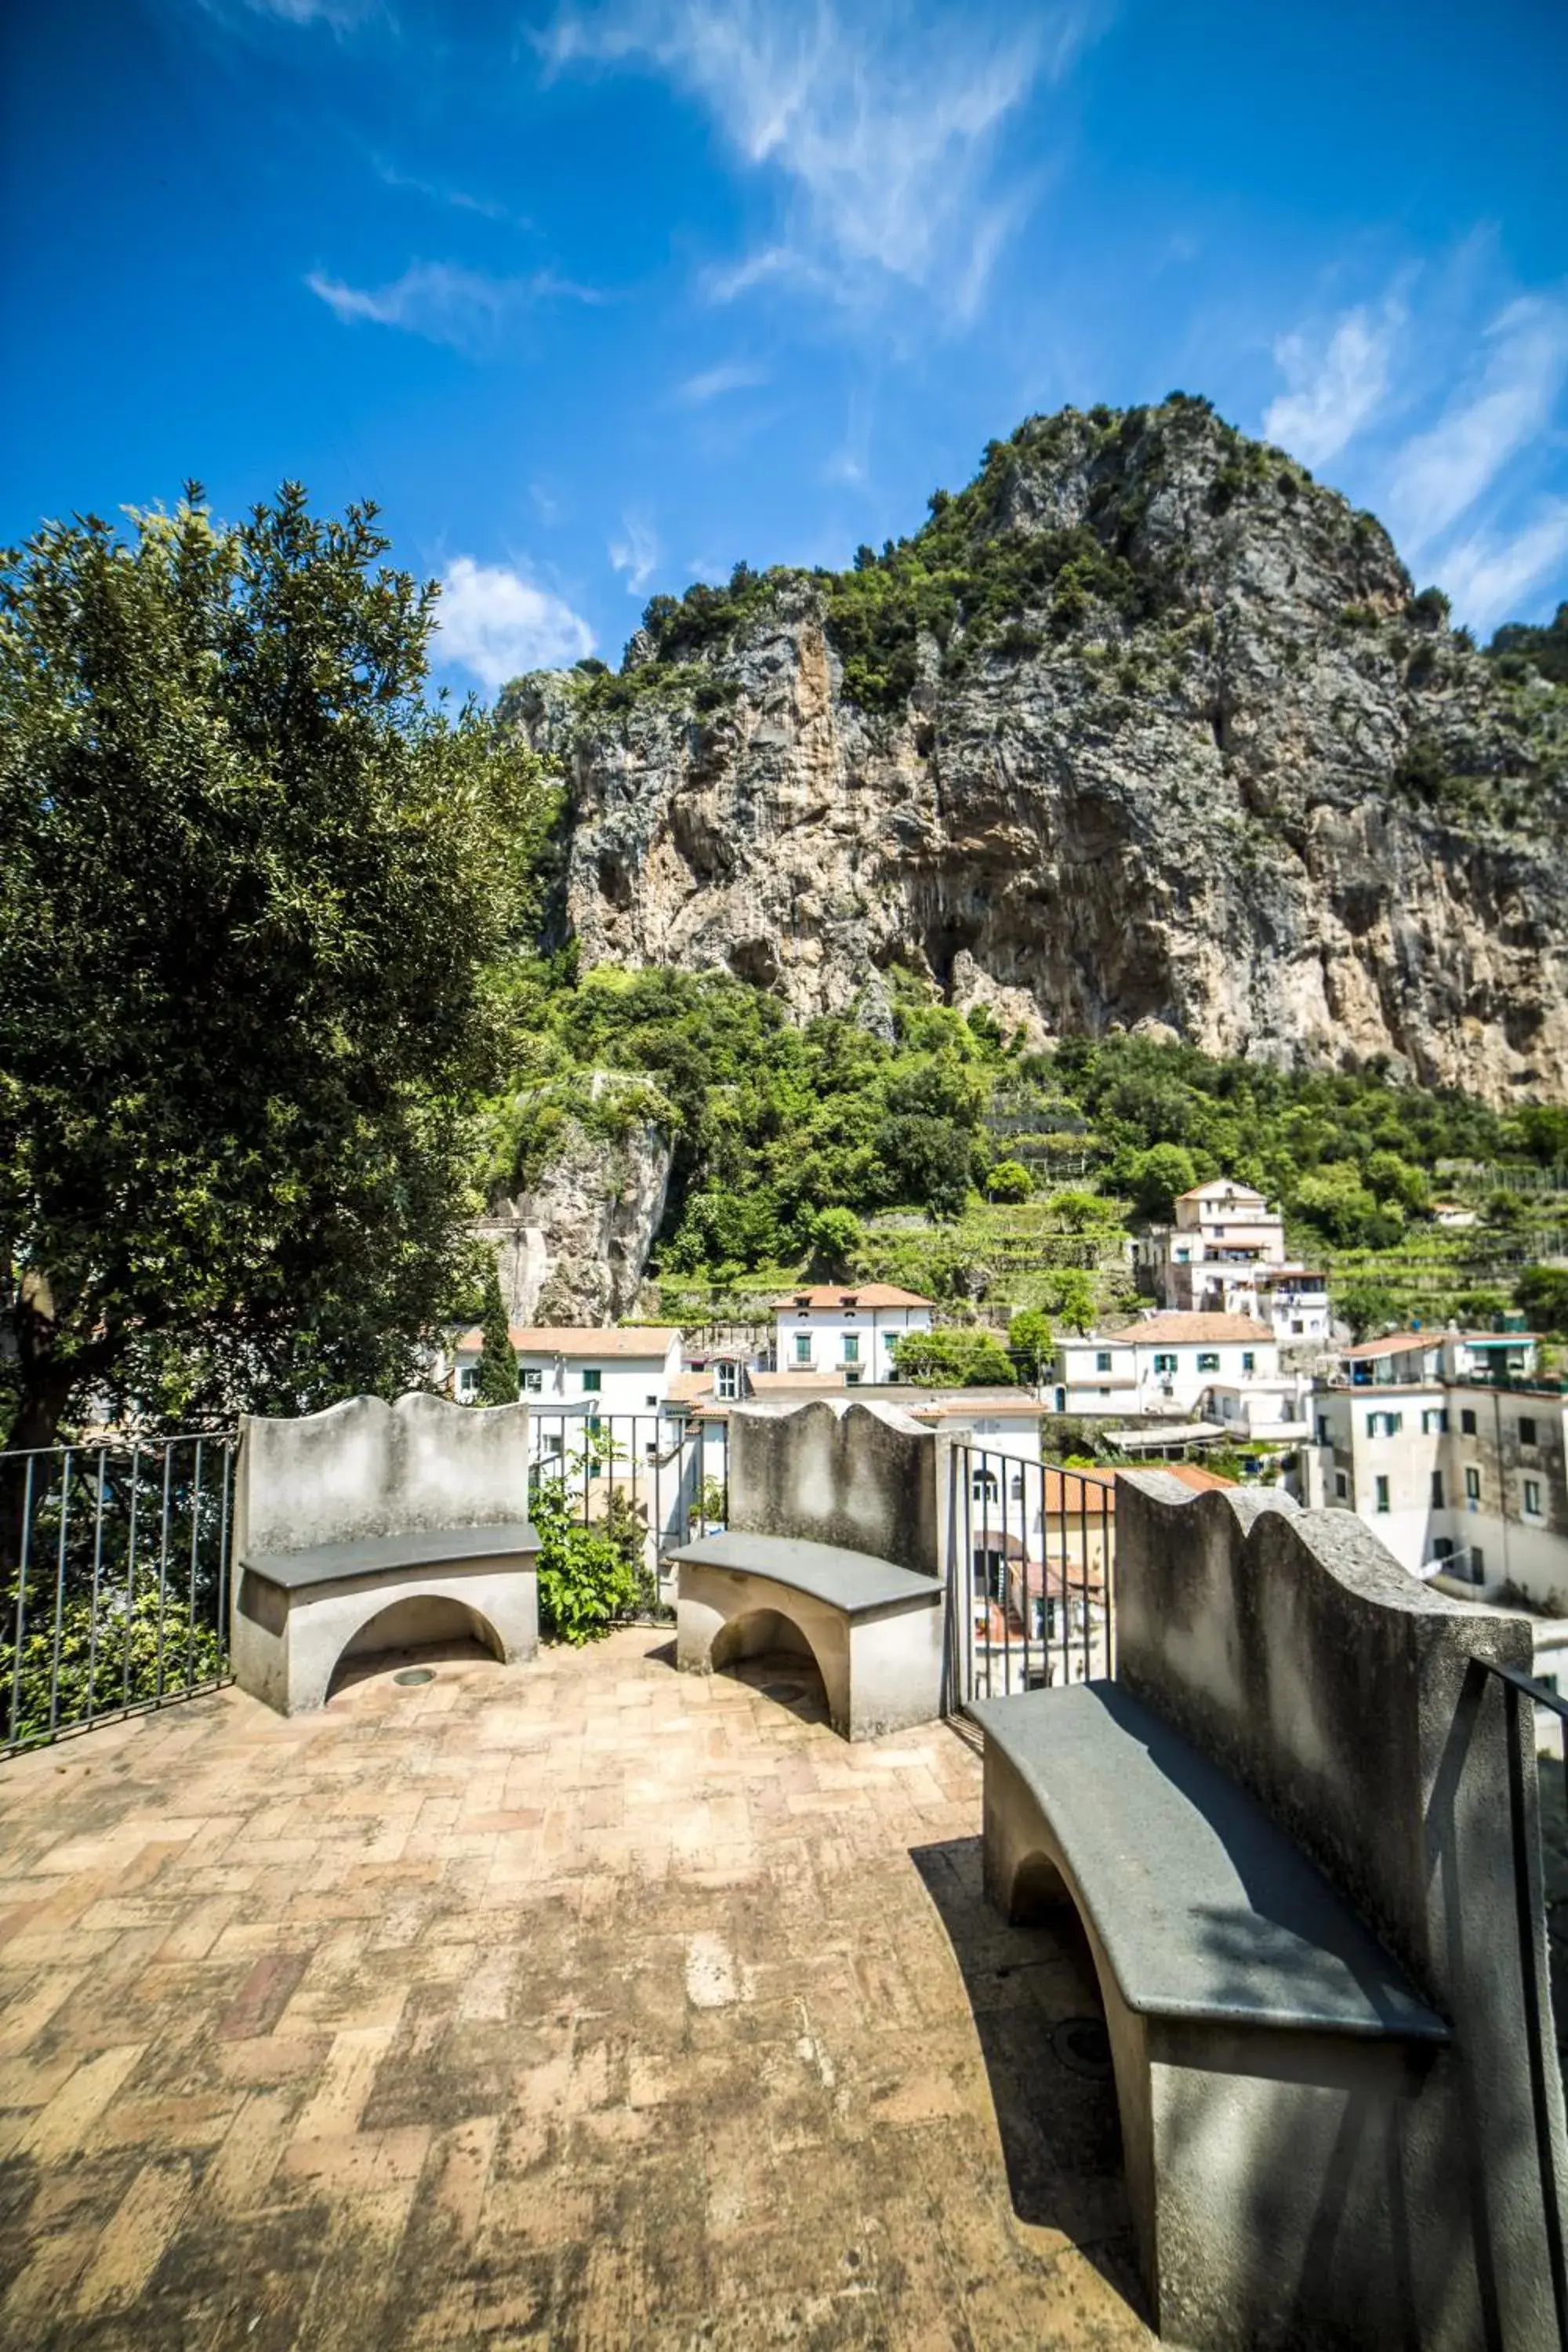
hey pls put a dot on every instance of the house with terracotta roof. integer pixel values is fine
(1178, 1365)
(626, 1370)
(1225, 1254)
(847, 1327)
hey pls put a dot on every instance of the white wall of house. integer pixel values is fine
(856, 1341)
(1145, 1369)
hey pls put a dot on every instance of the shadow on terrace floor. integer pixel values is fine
(1037, 2013)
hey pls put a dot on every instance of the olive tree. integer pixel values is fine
(253, 892)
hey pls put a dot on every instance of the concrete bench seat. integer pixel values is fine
(1202, 1910)
(853, 1582)
(833, 1550)
(333, 1563)
(1263, 2042)
(373, 1527)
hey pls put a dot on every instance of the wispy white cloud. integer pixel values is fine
(1337, 386)
(341, 15)
(1441, 473)
(444, 303)
(437, 192)
(496, 623)
(1489, 575)
(883, 129)
(636, 553)
(714, 383)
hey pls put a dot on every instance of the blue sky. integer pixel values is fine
(595, 299)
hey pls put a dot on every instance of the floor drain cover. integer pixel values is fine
(416, 1674)
(1083, 2046)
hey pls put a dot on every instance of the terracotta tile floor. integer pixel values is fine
(580, 2004)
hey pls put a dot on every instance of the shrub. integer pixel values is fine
(116, 1666)
(1009, 1179)
(1031, 1342)
(589, 1575)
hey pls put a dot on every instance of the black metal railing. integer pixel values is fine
(1031, 1575)
(1540, 1847)
(113, 1580)
(647, 1482)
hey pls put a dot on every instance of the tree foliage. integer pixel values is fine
(251, 889)
(953, 1359)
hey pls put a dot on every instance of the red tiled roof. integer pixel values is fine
(1174, 1329)
(845, 1294)
(561, 1340)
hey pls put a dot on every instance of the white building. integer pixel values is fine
(1461, 1475)
(608, 1372)
(1225, 1255)
(844, 1327)
(1181, 1366)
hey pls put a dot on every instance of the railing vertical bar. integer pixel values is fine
(1083, 1574)
(162, 1567)
(191, 1595)
(228, 1462)
(130, 1569)
(102, 1481)
(65, 1463)
(24, 1554)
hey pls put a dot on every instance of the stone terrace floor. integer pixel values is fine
(575, 2004)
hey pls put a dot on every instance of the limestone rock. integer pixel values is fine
(1279, 808)
(573, 1249)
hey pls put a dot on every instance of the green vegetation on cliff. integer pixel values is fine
(831, 1149)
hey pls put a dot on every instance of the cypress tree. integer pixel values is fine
(498, 1365)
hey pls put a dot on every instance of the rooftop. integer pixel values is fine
(841, 1293)
(578, 2003)
(650, 1342)
(1160, 1331)
(1406, 1343)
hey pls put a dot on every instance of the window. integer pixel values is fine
(851, 1378)
(593, 1381)
(1434, 1422)
(1384, 1424)
(726, 1380)
(1165, 1364)
(1526, 1428)
(1467, 1422)
(1342, 1486)
(852, 1347)
(1103, 1359)
(1437, 1490)
(1383, 1494)
(1472, 1486)
(532, 1380)
(803, 1347)
(1015, 1486)
(1323, 1429)
(1533, 1510)
(1208, 1359)
(468, 1380)
(1248, 1360)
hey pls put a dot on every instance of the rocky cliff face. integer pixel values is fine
(573, 1249)
(1144, 726)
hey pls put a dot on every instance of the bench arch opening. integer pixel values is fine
(434, 1622)
(762, 1633)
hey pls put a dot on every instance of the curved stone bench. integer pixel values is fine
(298, 1615)
(1266, 2048)
(874, 1629)
(373, 1527)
